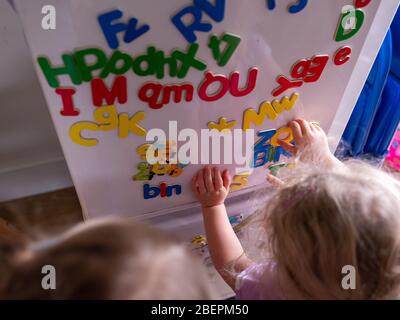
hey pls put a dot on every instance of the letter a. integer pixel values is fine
(349, 280)
(49, 280)
(49, 20)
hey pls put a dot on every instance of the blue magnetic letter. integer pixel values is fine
(111, 30)
(188, 30)
(271, 4)
(217, 12)
(296, 8)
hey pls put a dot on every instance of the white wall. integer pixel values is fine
(31, 160)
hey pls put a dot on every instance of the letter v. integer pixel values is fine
(132, 33)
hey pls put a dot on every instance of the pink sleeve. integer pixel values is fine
(257, 282)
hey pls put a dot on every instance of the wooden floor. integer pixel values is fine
(45, 213)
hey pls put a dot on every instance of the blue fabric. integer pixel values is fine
(386, 120)
(359, 126)
(395, 28)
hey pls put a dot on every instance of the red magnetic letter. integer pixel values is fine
(210, 79)
(100, 91)
(251, 83)
(362, 3)
(68, 103)
(342, 56)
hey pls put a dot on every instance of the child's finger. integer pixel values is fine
(194, 184)
(276, 182)
(313, 126)
(208, 179)
(305, 126)
(317, 127)
(287, 146)
(296, 129)
(226, 177)
(200, 181)
(218, 183)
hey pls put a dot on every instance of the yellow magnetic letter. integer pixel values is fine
(142, 150)
(287, 130)
(240, 181)
(251, 116)
(222, 124)
(127, 125)
(269, 110)
(75, 133)
(285, 103)
(106, 117)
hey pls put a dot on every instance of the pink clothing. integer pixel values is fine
(258, 282)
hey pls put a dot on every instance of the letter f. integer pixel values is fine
(111, 30)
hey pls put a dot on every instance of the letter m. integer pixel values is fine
(258, 118)
(100, 92)
(178, 91)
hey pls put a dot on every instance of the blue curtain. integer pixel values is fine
(395, 70)
(377, 113)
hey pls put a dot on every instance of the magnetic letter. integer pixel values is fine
(285, 103)
(285, 84)
(188, 31)
(68, 102)
(75, 133)
(342, 56)
(342, 34)
(127, 124)
(188, 60)
(106, 118)
(240, 181)
(152, 100)
(296, 8)
(112, 67)
(214, 44)
(86, 69)
(250, 86)
(51, 73)
(209, 79)
(216, 12)
(176, 187)
(269, 110)
(150, 192)
(178, 91)
(271, 4)
(276, 137)
(111, 30)
(362, 3)
(100, 92)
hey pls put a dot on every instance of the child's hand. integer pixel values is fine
(211, 187)
(311, 143)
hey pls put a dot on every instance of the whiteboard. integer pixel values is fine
(272, 39)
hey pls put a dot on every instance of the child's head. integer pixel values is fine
(112, 259)
(322, 221)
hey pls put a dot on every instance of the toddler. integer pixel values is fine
(106, 259)
(328, 223)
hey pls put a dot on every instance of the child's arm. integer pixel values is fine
(211, 188)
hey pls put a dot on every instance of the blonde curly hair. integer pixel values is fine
(323, 220)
